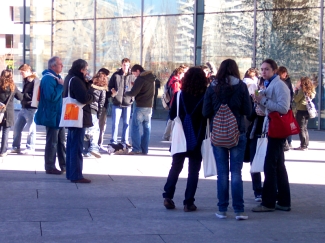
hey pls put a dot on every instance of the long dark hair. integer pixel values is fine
(76, 67)
(227, 68)
(195, 82)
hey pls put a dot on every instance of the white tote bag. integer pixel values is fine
(178, 135)
(72, 113)
(310, 107)
(36, 93)
(259, 158)
(209, 161)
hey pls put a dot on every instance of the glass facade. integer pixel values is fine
(162, 34)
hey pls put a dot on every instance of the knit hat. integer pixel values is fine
(104, 70)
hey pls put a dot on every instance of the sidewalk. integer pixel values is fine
(124, 203)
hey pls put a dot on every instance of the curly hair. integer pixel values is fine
(6, 80)
(195, 82)
(100, 79)
(307, 86)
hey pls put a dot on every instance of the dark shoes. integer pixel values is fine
(169, 203)
(83, 180)
(190, 208)
(54, 172)
(261, 208)
(282, 208)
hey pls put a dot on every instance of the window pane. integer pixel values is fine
(168, 43)
(40, 10)
(227, 5)
(118, 8)
(228, 36)
(279, 4)
(73, 9)
(163, 7)
(73, 40)
(117, 39)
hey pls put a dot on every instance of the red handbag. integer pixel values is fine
(282, 126)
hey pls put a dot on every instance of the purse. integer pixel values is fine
(72, 113)
(310, 107)
(259, 158)
(3, 110)
(209, 161)
(36, 93)
(178, 136)
(282, 126)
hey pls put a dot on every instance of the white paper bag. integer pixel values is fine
(178, 136)
(36, 93)
(209, 162)
(259, 158)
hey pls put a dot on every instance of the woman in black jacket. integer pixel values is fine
(229, 89)
(193, 88)
(79, 90)
(7, 87)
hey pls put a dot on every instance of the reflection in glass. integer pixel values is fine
(40, 10)
(164, 7)
(282, 4)
(73, 40)
(118, 8)
(211, 6)
(115, 40)
(228, 36)
(73, 9)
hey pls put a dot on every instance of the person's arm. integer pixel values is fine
(80, 91)
(137, 86)
(51, 88)
(101, 102)
(298, 96)
(111, 85)
(281, 101)
(207, 109)
(18, 95)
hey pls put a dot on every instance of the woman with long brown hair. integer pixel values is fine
(303, 87)
(8, 90)
(192, 91)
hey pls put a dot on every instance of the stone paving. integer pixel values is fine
(124, 203)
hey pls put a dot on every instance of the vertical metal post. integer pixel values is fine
(52, 28)
(24, 32)
(94, 55)
(320, 61)
(141, 36)
(254, 33)
(195, 32)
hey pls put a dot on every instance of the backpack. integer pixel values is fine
(191, 137)
(225, 131)
(166, 96)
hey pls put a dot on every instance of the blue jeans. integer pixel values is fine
(141, 116)
(4, 139)
(93, 134)
(194, 166)
(74, 153)
(236, 164)
(25, 118)
(55, 144)
(117, 112)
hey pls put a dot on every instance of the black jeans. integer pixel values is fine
(302, 119)
(194, 166)
(4, 139)
(55, 144)
(276, 183)
(256, 177)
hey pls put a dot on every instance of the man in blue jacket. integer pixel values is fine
(49, 115)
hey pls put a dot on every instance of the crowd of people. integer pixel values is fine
(202, 91)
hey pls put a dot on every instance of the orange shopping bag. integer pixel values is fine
(71, 112)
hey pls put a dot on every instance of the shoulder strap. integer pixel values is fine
(11, 94)
(69, 86)
(178, 94)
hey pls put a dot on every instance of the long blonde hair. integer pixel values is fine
(6, 80)
(307, 86)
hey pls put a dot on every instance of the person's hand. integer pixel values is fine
(258, 98)
(297, 86)
(114, 92)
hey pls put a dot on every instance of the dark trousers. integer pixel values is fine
(256, 177)
(55, 145)
(276, 183)
(4, 139)
(194, 166)
(302, 119)
(74, 153)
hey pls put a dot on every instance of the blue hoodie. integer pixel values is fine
(50, 105)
